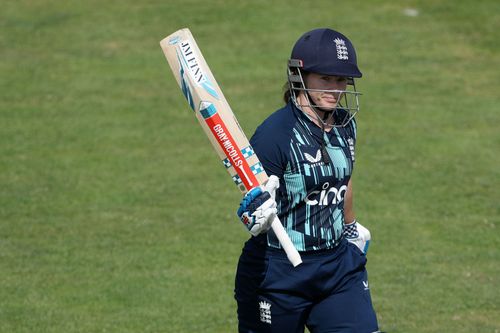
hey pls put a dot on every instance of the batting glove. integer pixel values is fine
(258, 208)
(358, 235)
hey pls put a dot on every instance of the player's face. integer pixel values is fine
(325, 99)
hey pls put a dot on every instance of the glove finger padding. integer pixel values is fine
(263, 217)
(257, 211)
(268, 204)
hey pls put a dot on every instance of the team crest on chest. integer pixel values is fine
(350, 141)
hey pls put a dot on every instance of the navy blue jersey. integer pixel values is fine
(311, 194)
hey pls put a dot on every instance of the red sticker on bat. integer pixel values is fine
(231, 150)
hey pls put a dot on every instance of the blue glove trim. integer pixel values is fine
(367, 244)
(247, 200)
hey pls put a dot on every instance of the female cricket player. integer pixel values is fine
(309, 145)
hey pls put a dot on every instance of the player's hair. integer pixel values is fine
(286, 93)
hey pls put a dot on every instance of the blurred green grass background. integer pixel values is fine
(115, 215)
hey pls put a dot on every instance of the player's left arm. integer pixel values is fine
(349, 216)
(354, 232)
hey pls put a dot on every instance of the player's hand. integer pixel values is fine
(358, 235)
(258, 207)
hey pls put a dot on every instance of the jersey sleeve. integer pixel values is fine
(268, 151)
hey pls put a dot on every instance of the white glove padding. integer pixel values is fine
(258, 208)
(358, 235)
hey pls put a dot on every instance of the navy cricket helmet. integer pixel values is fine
(326, 51)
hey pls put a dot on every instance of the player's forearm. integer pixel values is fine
(349, 215)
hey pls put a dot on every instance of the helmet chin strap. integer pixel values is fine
(327, 114)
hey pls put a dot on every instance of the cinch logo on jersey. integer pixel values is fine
(328, 195)
(192, 64)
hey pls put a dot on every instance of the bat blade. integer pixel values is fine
(215, 116)
(212, 109)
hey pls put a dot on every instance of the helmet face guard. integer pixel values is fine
(347, 100)
(327, 52)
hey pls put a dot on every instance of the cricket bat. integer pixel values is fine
(205, 97)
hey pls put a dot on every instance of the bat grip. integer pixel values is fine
(285, 241)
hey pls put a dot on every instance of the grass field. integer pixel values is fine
(115, 215)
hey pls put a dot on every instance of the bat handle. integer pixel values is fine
(285, 241)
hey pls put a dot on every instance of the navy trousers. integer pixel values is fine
(328, 292)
